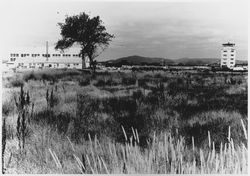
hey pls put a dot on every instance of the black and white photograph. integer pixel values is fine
(124, 87)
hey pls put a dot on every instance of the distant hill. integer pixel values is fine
(139, 60)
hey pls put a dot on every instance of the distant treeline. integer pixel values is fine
(170, 67)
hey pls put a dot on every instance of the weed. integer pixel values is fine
(3, 143)
(22, 104)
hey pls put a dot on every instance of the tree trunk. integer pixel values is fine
(92, 64)
(83, 63)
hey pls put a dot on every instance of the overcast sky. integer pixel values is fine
(154, 29)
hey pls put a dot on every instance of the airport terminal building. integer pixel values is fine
(38, 60)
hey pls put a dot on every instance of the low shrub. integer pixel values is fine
(7, 108)
(48, 77)
(106, 81)
(128, 81)
(100, 83)
(84, 81)
(218, 123)
(87, 119)
(16, 82)
(30, 76)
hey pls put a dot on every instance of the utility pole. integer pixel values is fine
(47, 55)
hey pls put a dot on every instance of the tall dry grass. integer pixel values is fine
(49, 152)
(51, 149)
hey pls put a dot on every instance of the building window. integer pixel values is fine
(225, 51)
(224, 55)
(232, 55)
(232, 58)
(231, 63)
(224, 63)
(46, 55)
(13, 55)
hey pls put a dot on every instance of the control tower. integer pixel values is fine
(228, 53)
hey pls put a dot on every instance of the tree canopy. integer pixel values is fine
(89, 33)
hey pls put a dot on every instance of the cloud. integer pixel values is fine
(163, 29)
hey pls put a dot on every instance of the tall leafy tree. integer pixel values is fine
(89, 33)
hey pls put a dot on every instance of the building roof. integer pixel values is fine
(228, 44)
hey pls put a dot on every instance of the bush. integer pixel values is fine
(7, 107)
(128, 81)
(100, 83)
(60, 122)
(142, 82)
(129, 112)
(106, 81)
(165, 120)
(84, 81)
(16, 82)
(218, 123)
(48, 77)
(30, 76)
(87, 120)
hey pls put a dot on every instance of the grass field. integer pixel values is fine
(67, 121)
